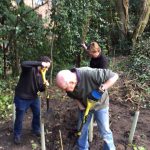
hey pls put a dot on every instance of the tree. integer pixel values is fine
(143, 20)
(125, 32)
(75, 22)
(24, 34)
(122, 7)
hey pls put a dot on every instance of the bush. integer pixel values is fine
(6, 97)
(140, 62)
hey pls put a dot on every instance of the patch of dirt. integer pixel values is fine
(60, 126)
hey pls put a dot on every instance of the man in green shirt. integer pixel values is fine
(79, 84)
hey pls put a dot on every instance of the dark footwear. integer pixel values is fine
(17, 140)
(38, 134)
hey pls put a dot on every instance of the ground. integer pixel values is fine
(60, 127)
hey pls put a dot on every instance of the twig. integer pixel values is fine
(129, 81)
(61, 140)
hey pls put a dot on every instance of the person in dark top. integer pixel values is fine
(98, 60)
(26, 94)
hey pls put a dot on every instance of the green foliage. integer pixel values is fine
(135, 147)
(140, 62)
(31, 35)
(6, 97)
(23, 30)
(5, 105)
(74, 22)
(34, 145)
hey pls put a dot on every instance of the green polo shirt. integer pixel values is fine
(88, 80)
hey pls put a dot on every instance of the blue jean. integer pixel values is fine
(102, 119)
(21, 107)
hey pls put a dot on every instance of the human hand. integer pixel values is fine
(80, 105)
(102, 88)
(84, 46)
(46, 64)
(46, 83)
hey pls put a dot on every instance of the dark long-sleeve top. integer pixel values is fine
(30, 81)
(99, 62)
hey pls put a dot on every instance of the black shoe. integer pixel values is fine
(38, 134)
(17, 140)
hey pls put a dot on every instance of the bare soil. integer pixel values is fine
(61, 124)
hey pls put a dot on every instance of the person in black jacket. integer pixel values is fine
(98, 60)
(26, 94)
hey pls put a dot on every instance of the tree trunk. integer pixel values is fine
(15, 61)
(4, 61)
(78, 60)
(122, 9)
(123, 40)
(143, 20)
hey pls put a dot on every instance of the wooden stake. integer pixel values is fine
(61, 142)
(14, 113)
(42, 136)
(43, 147)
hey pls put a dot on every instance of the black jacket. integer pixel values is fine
(30, 81)
(99, 62)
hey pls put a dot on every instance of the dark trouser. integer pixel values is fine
(21, 107)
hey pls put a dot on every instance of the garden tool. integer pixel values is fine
(93, 97)
(42, 120)
(48, 115)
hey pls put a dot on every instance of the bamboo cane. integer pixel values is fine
(61, 142)
(14, 114)
(43, 147)
(42, 136)
(42, 130)
(91, 129)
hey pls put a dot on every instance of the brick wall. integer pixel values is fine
(44, 10)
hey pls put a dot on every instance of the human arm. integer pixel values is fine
(80, 105)
(109, 82)
(29, 64)
(101, 77)
(77, 100)
(98, 95)
(35, 63)
(84, 47)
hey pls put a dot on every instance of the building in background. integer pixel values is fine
(43, 10)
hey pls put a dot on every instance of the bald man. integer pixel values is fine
(79, 83)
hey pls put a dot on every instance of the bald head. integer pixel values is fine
(66, 80)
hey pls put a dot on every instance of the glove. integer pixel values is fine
(95, 95)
